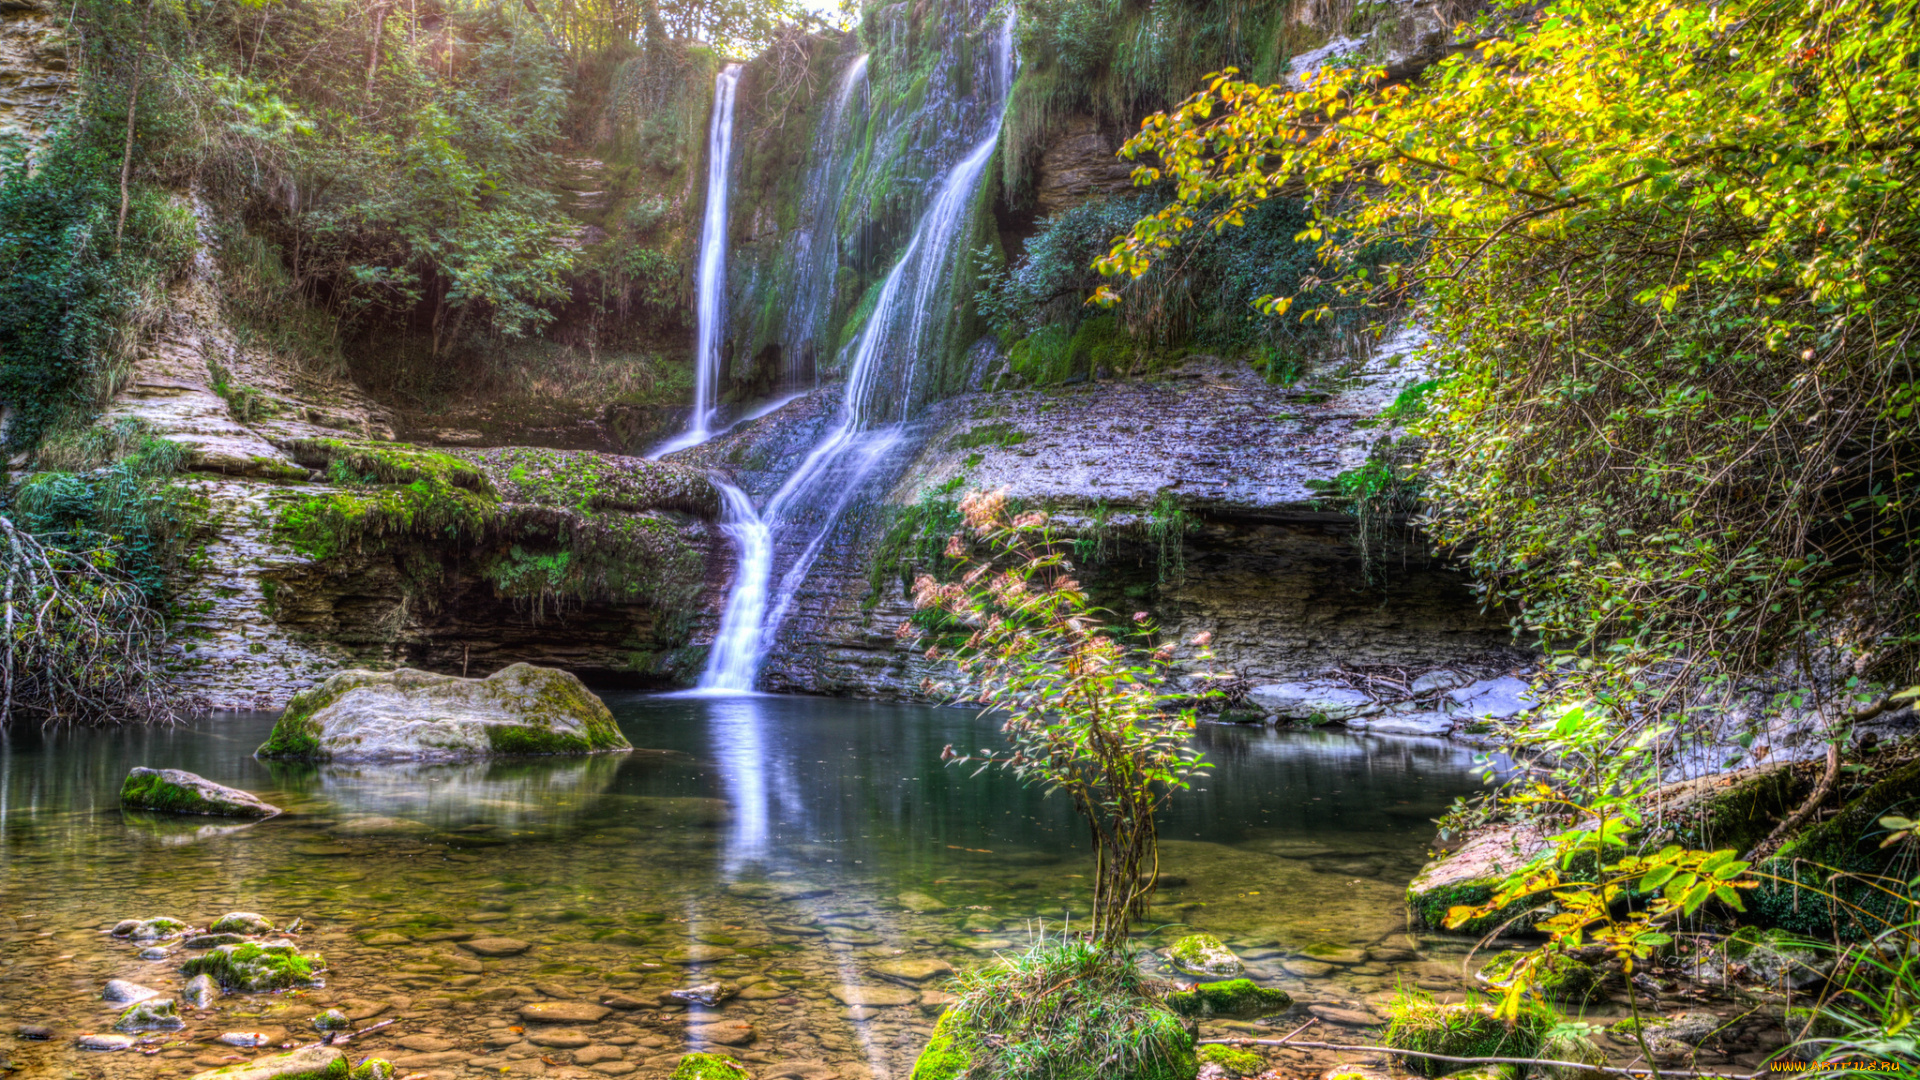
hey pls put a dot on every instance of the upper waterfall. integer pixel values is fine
(874, 406)
(711, 294)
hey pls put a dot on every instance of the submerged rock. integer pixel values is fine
(122, 990)
(91, 1041)
(175, 791)
(1495, 699)
(1203, 954)
(200, 992)
(251, 967)
(708, 994)
(416, 715)
(308, 1063)
(1239, 999)
(153, 1014)
(332, 1020)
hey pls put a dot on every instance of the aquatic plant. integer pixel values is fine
(1090, 710)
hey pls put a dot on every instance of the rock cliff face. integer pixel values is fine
(1079, 164)
(1256, 555)
(35, 75)
(261, 619)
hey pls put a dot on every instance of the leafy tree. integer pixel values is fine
(1669, 255)
(1089, 710)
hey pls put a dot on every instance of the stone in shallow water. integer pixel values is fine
(564, 1012)
(1239, 999)
(426, 1044)
(332, 1020)
(306, 1062)
(273, 965)
(1354, 1018)
(913, 969)
(241, 922)
(920, 903)
(39, 1032)
(723, 1032)
(873, 996)
(212, 941)
(622, 1002)
(795, 929)
(708, 994)
(698, 954)
(709, 1067)
(1302, 968)
(148, 929)
(496, 946)
(559, 1039)
(174, 791)
(154, 952)
(153, 1014)
(122, 990)
(1203, 954)
(91, 1041)
(593, 1055)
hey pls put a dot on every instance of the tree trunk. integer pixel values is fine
(133, 112)
(379, 13)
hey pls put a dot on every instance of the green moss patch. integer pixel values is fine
(710, 1067)
(251, 967)
(1235, 1060)
(1823, 881)
(1464, 1030)
(1558, 976)
(1240, 999)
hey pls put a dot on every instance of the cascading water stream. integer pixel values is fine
(711, 296)
(871, 422)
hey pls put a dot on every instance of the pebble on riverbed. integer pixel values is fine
(153, 1014)
(123, 991)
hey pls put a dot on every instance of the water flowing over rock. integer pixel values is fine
(875, 405)
(417, 715)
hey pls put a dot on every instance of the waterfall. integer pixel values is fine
(816, 244)
(873, 410)
(711, 296)
(735, 658)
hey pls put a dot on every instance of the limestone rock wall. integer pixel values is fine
(35, 69)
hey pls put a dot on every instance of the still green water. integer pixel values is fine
(795, 847)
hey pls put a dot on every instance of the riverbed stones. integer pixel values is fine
(302, 1064)
(913, 970)
(723, 1032)
(212, 941)
(920, 903)
(103, 1042)
(34, 1032)
(564, 1012)
(332, 1020)
(1203, 954)
(176, 791)
(152, 929)
(708, 994)
(416, 715)
(120, 990)
(559, 1038)
(873, 997)
(489, 946)
(1496, 699)
(688, 955)
(240, 922)
(153, 1014)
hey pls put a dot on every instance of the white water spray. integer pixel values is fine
(711, 298)
(873, 412)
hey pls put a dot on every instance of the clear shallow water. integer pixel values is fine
(793, 846)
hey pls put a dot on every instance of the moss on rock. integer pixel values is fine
(308, 1063)
(1203, 954)
(1841, 856)
(407, 714)
(1236, 1061)
(251, 967)
(945, 1058)
(173, 791)
(709, 1067)
(1558, 976)
(1464, 1030)
(153, 1014)
(1240, 999)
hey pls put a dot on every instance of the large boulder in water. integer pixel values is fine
(417, 715)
